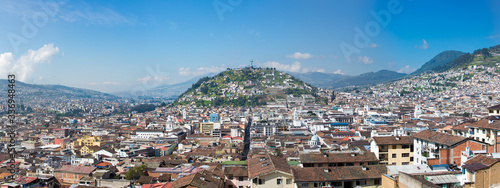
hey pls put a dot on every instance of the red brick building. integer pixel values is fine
(433, 148)
(70, 174)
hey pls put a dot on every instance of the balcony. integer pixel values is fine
(425, 153)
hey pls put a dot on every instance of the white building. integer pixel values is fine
(147, 134)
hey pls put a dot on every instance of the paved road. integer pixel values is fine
(246, 139)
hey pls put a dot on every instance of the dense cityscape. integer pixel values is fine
(394, 134)
(249, 94)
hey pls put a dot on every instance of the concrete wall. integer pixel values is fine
(271, 181)
(388, 182)
(399, 160)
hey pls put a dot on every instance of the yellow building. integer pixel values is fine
(393, 150)
(270, 171)
(481, 171)
(89, 141)
(207, 127)
(340, 176)
(84, 150)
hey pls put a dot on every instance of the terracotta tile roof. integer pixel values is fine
(338, 157)
(322, 174)
(496, 107)
(440, 138)
(392, 140)
(484, 123)
(198, 180)
(145, 180)
(25, 179)
(236, 171)
(420, 179)
(267, 164)
(158, 185)
(479, 162)
(461, 127)
(76, 169)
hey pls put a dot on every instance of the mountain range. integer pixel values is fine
(27, 91)
(333, 81)
(166, 91)
(441, 62)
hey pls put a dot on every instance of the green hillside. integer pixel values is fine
(439, 61)
(487, 57)
(247, 87)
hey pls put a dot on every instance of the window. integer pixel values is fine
(288, 181)
(305, 185)
(405, 155)
(406, 146)
(376, 182)
(230, 177)
(262, 181)
(411, 158)
(411, 148)
(241, 179)
(254, 180)
(240, 186)
(405, 163)
(336, 184)
(394, 146)
(320, 165)
(319, 184)
(350, 164)
(308, 165)
(230, 186)
(279, 181)
(361, 182)
(393, 155)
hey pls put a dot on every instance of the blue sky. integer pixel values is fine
(124, 45)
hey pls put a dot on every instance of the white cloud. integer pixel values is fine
(424, 46)
(365, 59)
(298, 55)
(187, 71)
(339, 72)
(294, 67)
(24, 66)
(406, 69)
(373, 45)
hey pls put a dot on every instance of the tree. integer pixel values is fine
(466, 114)
(136, 172)
(278, 152)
